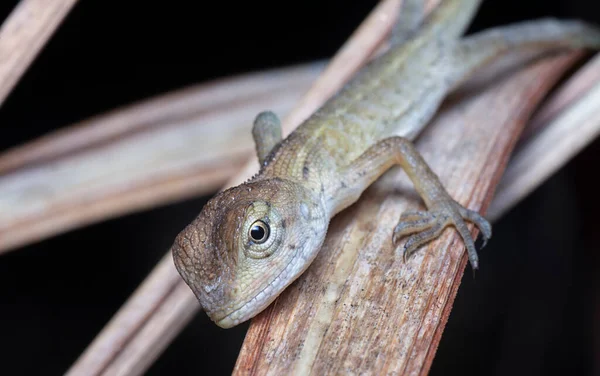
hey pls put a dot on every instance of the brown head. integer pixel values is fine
(248, 244)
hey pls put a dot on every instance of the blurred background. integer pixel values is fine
(530, 310)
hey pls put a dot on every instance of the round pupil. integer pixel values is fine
(258, 232)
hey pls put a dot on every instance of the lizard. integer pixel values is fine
(251, 241)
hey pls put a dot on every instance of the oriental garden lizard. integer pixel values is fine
(251, 241)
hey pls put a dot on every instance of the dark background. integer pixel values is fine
(529, 311)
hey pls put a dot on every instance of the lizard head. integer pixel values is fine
(247, 245)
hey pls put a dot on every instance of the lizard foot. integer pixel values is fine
(424, 226)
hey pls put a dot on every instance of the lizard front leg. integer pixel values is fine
(266, 133)
(412, 14)
(421, 226)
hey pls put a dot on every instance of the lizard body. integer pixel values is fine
(251, 241)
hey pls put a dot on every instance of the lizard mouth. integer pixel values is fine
(262, 299)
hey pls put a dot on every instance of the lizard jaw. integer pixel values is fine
(264, 298)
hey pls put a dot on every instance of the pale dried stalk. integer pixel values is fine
(568, 123)
(23, 34)
(579, 85)
(173, 147)
(211, 97)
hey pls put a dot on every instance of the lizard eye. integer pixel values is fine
(259, 232)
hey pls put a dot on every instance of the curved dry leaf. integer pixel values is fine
(169, 148)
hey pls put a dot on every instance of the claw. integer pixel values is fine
(412, 223)
(415, 241)
(426, 226)
(485, 240)
(484, 226)
(413, 215)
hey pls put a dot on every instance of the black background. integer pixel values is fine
(529, 311)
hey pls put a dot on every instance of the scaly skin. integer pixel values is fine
(251, 241)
